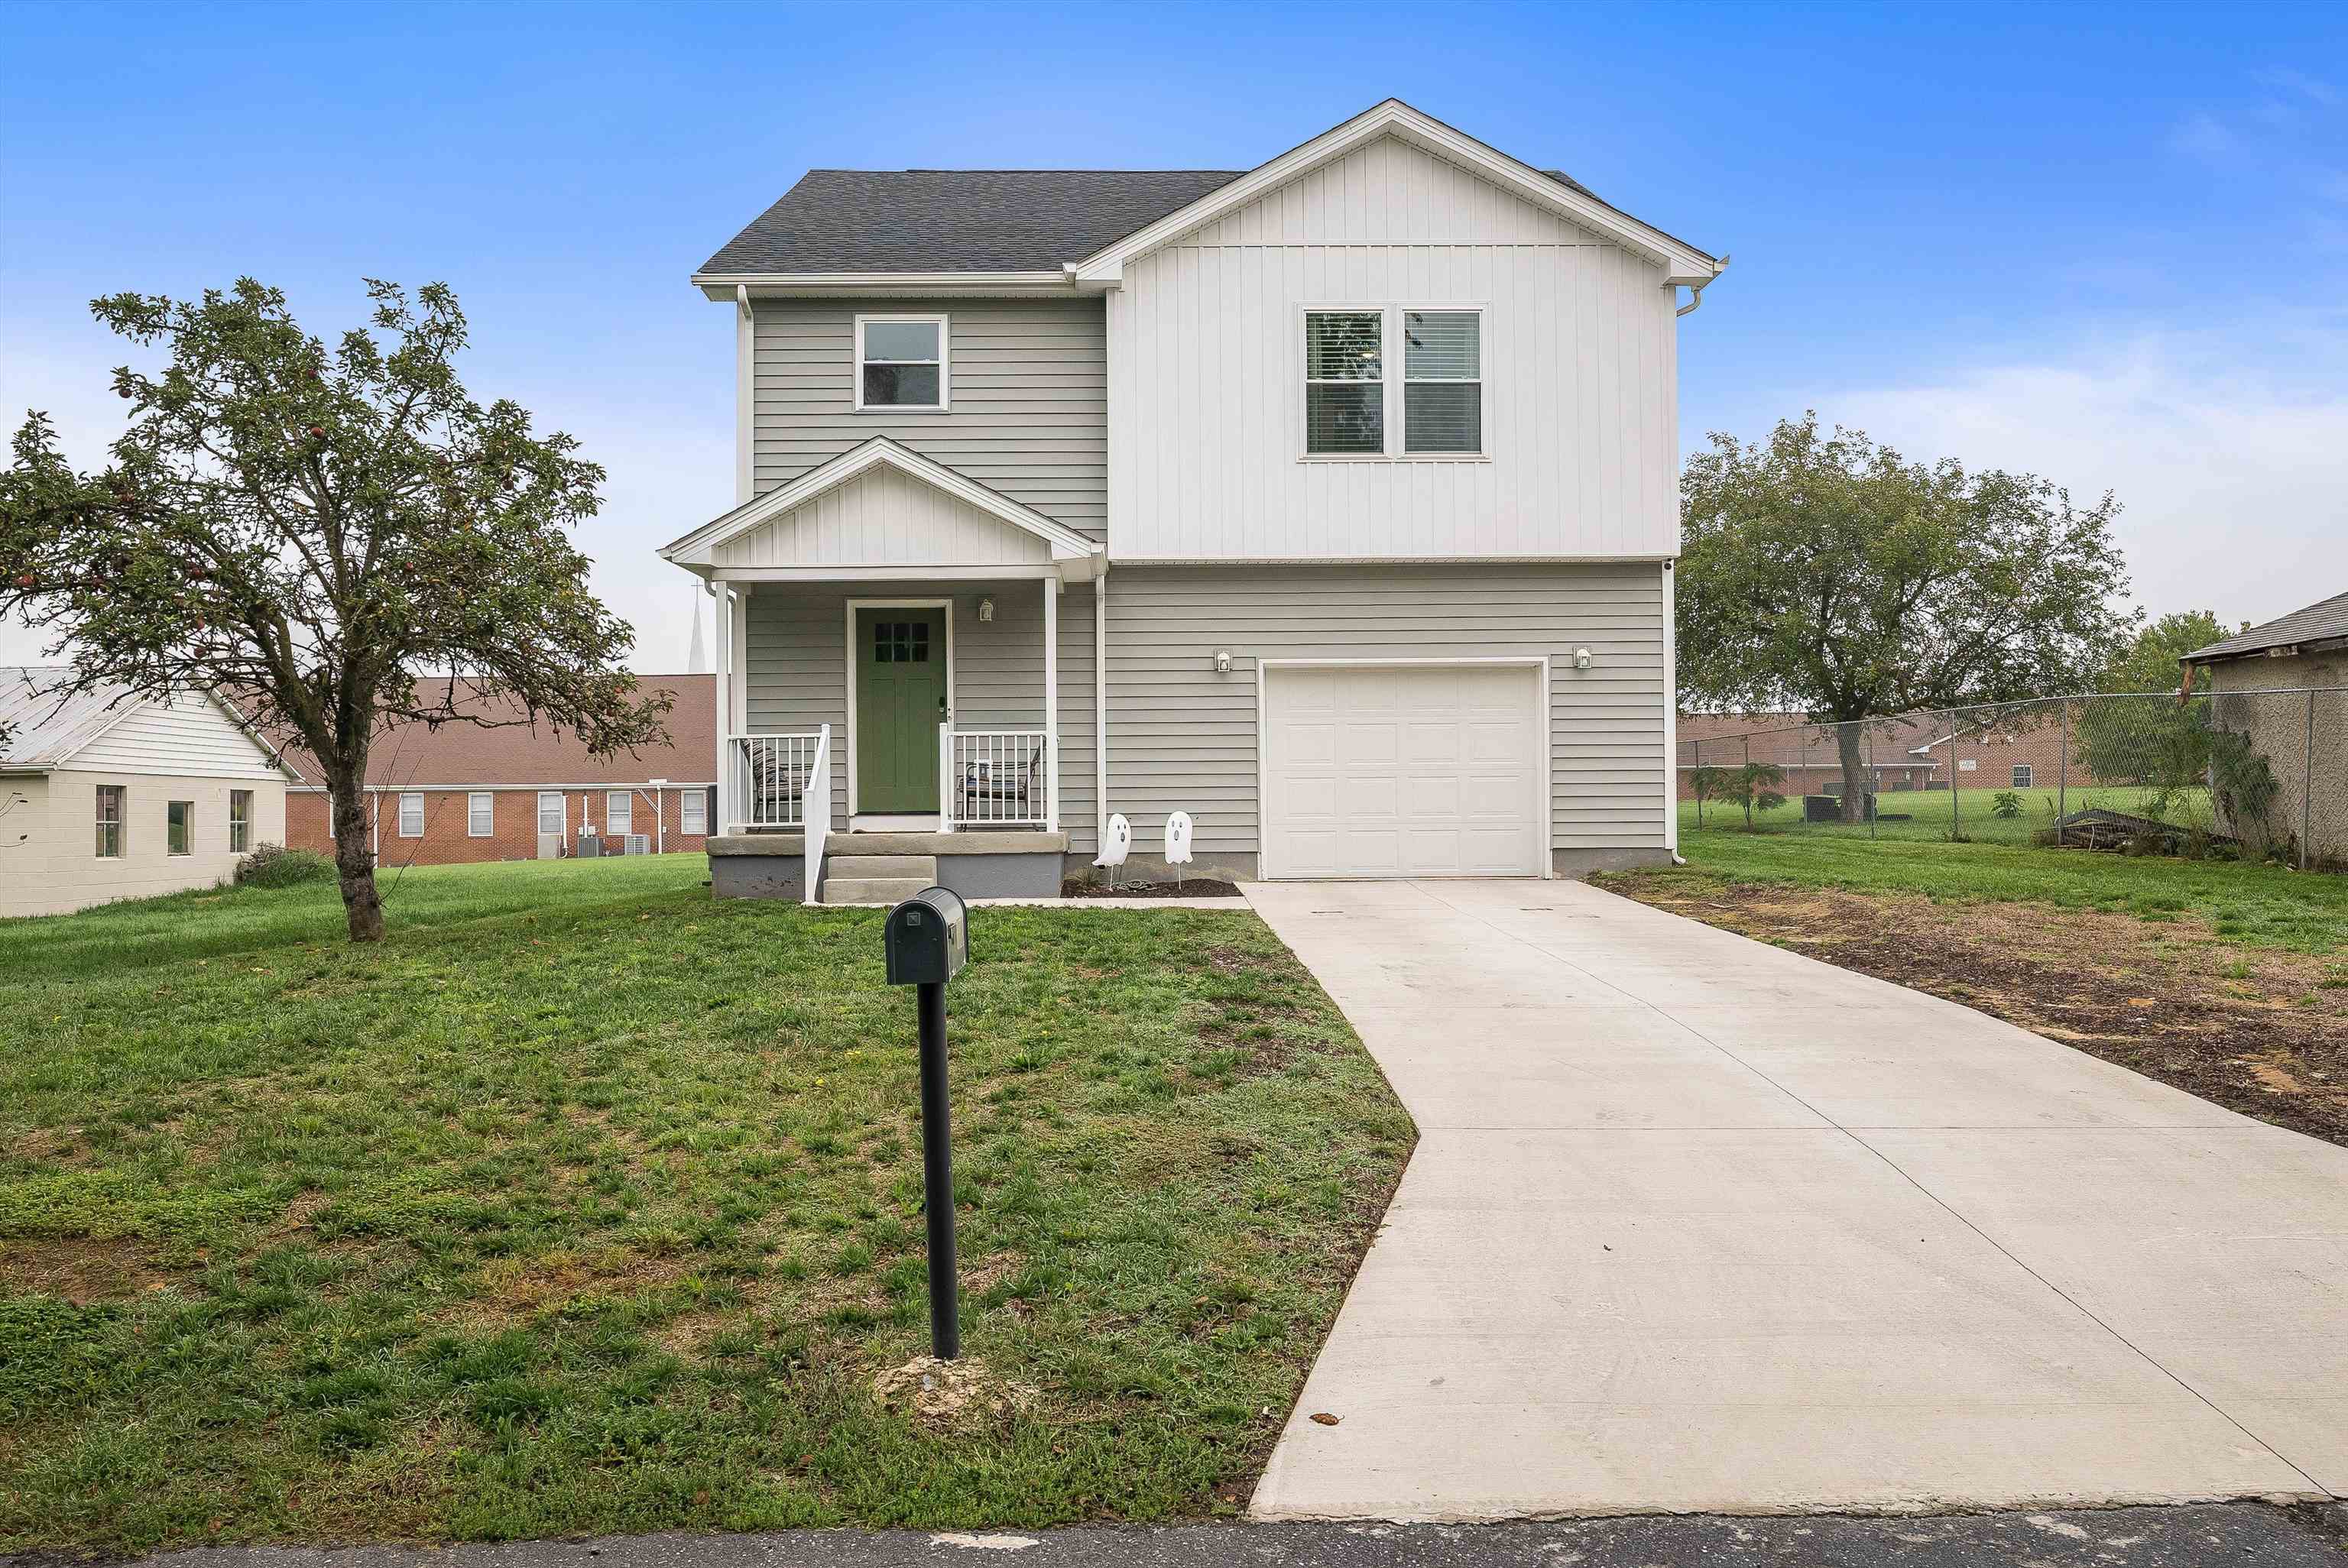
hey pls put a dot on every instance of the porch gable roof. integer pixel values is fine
(1041, 538)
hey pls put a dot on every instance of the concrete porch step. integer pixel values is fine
(871, 889)
(863, 865)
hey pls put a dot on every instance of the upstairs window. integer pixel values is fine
(1443, 381)
(900, 364)
(1344, 382)
(1355, 406)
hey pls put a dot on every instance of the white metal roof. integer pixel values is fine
(40, 729)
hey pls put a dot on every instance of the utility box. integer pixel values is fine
(927, 940)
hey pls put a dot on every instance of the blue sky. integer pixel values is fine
(2104, 244)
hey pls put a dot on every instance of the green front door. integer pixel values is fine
(901, 701)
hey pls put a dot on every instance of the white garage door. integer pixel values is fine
(1403, 770)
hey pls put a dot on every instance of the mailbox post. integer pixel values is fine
(927, 941)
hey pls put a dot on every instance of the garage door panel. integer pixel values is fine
(1406, 770)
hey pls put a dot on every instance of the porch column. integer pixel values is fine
(1052, 703)
(723, 700)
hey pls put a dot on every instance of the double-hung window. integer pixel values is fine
(550, 813)
(480, 814)
(693, 811)
(1344, 382)
(179, 828)
(901, 363)
(1356, 406)
(411, 815)
(240, 821)
(619, 812)
(109, 820)
(2022, 775)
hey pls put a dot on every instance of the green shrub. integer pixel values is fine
(2006, 802)
(274, 865)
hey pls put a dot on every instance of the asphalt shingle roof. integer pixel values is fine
(2316, 623)
(956, 219)
(40, 730)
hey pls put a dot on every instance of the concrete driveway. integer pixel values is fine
(1696, 1223)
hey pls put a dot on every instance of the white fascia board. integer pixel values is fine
(693, 551)
(722, 285)
(1681, 262)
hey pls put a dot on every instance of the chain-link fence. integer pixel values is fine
(2252, 775)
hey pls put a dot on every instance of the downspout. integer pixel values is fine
(1100, 710)
(1695, 287)
(1671, 715)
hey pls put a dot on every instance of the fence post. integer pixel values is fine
(1956, 822)
(2307, 783)
(2062, 775)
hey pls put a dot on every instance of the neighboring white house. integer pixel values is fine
(1333, 502)
(112, 795)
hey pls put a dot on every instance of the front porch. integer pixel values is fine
(891, 640)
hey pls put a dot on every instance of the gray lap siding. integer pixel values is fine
(1183, 737)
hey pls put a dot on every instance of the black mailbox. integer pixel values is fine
(928, 938)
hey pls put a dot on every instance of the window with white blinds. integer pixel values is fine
(1356, 406)
(618, 815)
(1443, 377)
(1344, 382)
(480, 814)
(411, 816)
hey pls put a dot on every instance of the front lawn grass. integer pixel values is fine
(588, 1204)
(2252, 905)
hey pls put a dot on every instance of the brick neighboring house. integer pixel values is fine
(2020, 748)
(463, 793)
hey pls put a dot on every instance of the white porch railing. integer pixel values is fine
(772, 780)
(997, 778)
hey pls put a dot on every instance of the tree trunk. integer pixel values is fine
(1851, 741)
(354, 859)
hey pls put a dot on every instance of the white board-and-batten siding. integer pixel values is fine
(1206, 352)
(187, 736)
(1028, 389)
(884, 516)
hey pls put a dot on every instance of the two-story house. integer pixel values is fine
(1333, 502)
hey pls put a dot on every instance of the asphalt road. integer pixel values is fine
(2231, 1536)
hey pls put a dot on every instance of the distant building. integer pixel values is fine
(110, 794)
(464, 792)
(2303, 735)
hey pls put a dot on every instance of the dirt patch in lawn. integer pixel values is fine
(2256, 1030)
(78, 1269)
(1190, 887)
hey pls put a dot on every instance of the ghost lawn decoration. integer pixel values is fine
(1178, 845)
(1119, 846)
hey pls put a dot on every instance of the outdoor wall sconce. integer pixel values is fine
(987, 610)
(1581, 658)
(1222, 661)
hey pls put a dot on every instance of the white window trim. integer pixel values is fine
(944, 404)
(187, 839)
(234, 824)
(561, 813)
(473, 797)
(119, 822)
(399, 812)
(692, 811)
(622, 821)
(2023, 783)
(1394, 377)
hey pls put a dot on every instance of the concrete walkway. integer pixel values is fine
(1696, 1223)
